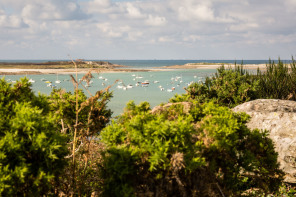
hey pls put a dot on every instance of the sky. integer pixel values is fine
(147, 29)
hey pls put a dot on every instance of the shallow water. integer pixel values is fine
(153, 94)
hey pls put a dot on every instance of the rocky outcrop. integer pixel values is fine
(279, 117)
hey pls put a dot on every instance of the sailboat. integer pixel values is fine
(58, 81)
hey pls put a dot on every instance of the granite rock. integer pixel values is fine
(279, 117)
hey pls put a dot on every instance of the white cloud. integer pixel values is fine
(214, 26)
(201, 12)
(113, 32)
(98, 6)
(156, 20)
(133, 11)
(53, 10)
(12, 21)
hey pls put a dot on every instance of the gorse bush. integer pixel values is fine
(186, 149)
(228, 87)
(31, 150)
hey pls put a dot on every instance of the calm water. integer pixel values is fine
(168, 80)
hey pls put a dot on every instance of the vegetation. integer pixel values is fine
(64, 144)
(228, 87)
(57, 65)
(278, 81)
(31, 150)
(231, 87)
(203, 150)
(81, 118)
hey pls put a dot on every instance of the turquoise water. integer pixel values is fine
(152, 93)
(177, 79)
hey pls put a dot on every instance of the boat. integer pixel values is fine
(31, 80)
(58, 81)
(129, 86)
(146, 82)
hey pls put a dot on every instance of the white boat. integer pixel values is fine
(129, 86)
(156, 81)
(31, 80)
(58, 81)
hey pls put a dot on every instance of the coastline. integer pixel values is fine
(214, 66)
(114, 69)
(28, 71)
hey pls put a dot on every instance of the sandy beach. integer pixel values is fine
(215, 66)
(41, 71)
(24, 71)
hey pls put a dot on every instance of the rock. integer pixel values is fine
(279, 117)
(158, 109)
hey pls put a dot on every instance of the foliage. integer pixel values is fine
(93, 112)
(228, 87)
(81, 118)
(278, 81)
(186, 149)
(31, 151)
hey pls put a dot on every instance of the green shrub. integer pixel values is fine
(186, 149)
(228, 87)
(31, 150)
(82, 120)
(278, 81)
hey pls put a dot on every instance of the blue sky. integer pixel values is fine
(154, 29)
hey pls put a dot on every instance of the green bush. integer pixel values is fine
(83, 119)
(186, 149)
(278, 81)
(31, 150)
(228, 87)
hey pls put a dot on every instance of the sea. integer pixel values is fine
(127, 86)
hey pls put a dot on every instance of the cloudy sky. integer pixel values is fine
(147, 29)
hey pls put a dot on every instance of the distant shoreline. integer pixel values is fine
(66, 67)
(214, 66)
